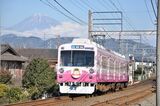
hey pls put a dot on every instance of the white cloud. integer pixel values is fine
(65, 29)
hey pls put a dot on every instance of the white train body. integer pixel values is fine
(83, 64)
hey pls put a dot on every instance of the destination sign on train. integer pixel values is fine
(77, 46)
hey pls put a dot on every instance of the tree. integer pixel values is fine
(38, 75)
(139, 71)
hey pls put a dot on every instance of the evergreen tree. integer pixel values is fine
(38, 75)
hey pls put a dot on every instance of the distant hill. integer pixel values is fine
(32, 42)
(128, 46)
(34, 22)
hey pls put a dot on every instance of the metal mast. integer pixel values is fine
(158, 56)
(89, 24)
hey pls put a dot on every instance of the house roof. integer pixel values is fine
(9, 54)
(139, 59)
(5, 47)
(39, 53)
(8, 57)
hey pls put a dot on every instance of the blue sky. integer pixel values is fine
(14, 11)
(135, 14)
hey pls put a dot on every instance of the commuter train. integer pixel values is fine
(85, 67)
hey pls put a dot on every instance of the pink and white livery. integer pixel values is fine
(84, 67)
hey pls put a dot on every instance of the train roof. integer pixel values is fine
(87, 41)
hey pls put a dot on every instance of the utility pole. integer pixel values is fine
(89, 24)
(158, 56)
(44, 40)
(0, 43)
(142, 64)
(58, 41)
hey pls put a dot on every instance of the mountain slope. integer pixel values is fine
(129, 46)
(35, 22)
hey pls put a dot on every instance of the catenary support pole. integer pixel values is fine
(89, 24)
(0, 43)
(158, 56)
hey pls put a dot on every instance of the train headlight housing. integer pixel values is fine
(91, 71)
(61, 70)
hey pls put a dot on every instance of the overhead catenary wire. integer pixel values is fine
(121, 9)
(55, 8)
(87, 5)
(69, 12)
(126, 19)
(77, 5)
(153, 9)
(149, 12)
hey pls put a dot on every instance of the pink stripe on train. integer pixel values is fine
(86, 77)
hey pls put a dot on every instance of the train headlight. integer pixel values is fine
(61, 70)
(91, 71)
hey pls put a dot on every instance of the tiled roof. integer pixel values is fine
(5, 47)
(39, 53)
(13, 58)
(9, 54)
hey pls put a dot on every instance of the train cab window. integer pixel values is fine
(65, 58)
(77, 58)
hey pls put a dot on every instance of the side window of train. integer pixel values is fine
(104, 62)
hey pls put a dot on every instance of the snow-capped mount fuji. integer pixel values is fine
(34, 22)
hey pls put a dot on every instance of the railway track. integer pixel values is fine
(120, 98)
(42, 102)
(125, 100)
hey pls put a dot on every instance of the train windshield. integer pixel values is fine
(77, 58)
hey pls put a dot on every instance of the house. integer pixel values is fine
(11, 60)
(49, 54)
(137, 64)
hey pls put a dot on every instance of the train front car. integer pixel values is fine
(76, 67)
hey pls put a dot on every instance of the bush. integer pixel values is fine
(33, 93)
(139, 71)
(3, 90)
(15, 95)
(5, 76)
(53, 91)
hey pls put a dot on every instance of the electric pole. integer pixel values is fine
(142, 64)
(0, 44)
(44, 40)
(158, 56)
(89, 24)
(58, 41)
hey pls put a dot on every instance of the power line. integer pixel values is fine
(153, 9)
(87, 5)
(69, 12)
(123, 12)
(150, 18)
(105, 2)
(109, 35)
(148, 12)
(53, 7)
(77, 5)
